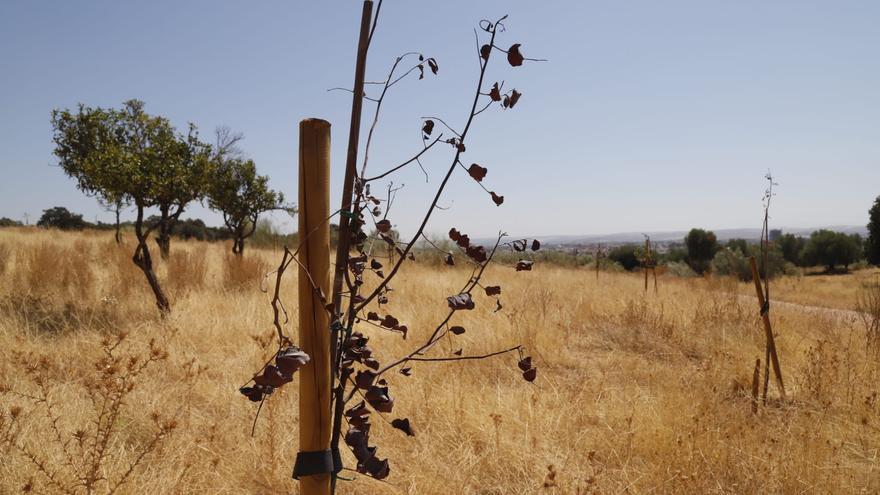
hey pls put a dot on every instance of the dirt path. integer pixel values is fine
(839, 314)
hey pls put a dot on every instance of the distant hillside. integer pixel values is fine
(673, 236)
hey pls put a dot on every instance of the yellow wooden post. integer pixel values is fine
(768, 330)
(314, 337)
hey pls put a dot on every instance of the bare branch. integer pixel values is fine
(466, 358)
(440, 190)
(438, 119)
(413, 159)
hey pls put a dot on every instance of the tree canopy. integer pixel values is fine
(129, 156)
(832, 249)
(627, 255)
(237, 191)
(60, 217)
(701, 247)
(872, 243)
(791, 247)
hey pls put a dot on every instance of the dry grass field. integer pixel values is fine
(636, 393)
(818, 289)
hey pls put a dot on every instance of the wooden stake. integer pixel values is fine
(756, 378)
(314, 322)
(768, 330)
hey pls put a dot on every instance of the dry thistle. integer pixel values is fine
(85, 449)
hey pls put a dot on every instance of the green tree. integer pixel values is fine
(831, 249)
(791, 247)
(130, 156)
(872, 243)
(628, 255)
(740, 245)
(701, 247)
(8, 222)
(237, 191)
(734, 262)
(60, 218)
(674, 255)
(181, 179)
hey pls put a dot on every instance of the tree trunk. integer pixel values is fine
(118, 233)
(163, 240)
(163, 232)
(144, 261)
(238, 245)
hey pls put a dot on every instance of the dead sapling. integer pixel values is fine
(370, 247)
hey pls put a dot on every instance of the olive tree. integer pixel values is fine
(180, 178)
(129, 156)
(241, 195)
(237, 191)
(831, 249)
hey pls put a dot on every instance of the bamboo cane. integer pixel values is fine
(314, 254)
(768, 330)
(342, 248)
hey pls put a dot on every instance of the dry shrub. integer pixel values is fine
(243, 272)
(93, 456)
(819, 377)
(186, 271)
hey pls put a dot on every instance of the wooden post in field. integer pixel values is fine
(764, 305)
(314, 337)
(756, 379)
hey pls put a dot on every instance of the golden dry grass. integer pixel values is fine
(636, 393)
(823, 290)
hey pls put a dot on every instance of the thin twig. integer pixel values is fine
(466, 358)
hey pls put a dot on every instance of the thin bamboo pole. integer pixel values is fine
(343, 244)
(647, 262)
(768, 330)
(357, 101)
(314, 254)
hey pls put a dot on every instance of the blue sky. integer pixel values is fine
(648, 116)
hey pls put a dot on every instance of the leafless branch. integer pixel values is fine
(466, 358)
(407, 162)
(440, 190)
